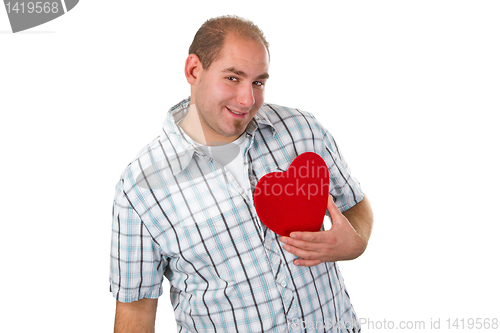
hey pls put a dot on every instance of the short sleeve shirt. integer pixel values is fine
(178, 214)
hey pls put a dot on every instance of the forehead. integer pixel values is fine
(243, 55)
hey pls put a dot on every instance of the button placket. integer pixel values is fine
(282, 279)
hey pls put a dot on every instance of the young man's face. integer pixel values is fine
(229, 93)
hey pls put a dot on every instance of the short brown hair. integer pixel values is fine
(209, 39)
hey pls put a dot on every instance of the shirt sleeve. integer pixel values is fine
(344, 188)
(137, 266)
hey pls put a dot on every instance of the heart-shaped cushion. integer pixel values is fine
(294, 200)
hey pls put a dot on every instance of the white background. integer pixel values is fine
(409, 89)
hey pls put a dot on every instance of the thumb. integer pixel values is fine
(333, 209)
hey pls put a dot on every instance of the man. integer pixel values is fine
(184, 207)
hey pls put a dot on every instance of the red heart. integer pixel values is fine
(294, 200)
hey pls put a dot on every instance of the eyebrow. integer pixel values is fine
(243, 74)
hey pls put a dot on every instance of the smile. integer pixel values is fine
(238, 113)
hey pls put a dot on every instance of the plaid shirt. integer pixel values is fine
(178, 214)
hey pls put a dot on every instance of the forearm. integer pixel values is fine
(136, 317)
(361, 218)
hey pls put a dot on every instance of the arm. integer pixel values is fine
(361, 218)
(135, 256)
(346, 240)
(136, 317)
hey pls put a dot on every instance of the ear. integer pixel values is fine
(193, 68)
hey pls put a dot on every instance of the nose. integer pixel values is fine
(245, 96)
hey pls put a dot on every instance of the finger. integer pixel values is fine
(308, 236)
(307, 263)
(304, 254)
(300, 244)
(334, 210)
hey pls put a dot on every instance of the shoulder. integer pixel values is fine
(292, 119)
(131, 175)
(279, 113)
(157, 165)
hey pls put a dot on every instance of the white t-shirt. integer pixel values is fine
(230, 156)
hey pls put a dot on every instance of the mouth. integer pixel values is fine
(240, 114)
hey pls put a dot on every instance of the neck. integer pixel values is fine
(191, 125)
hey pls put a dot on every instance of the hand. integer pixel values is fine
(341, 242)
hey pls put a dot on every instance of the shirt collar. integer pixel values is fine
(177, 143)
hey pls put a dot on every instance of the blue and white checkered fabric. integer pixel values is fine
(178, 214)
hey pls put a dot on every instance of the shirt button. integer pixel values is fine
(283, 284)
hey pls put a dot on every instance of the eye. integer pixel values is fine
(232, 78)
(258, 83)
